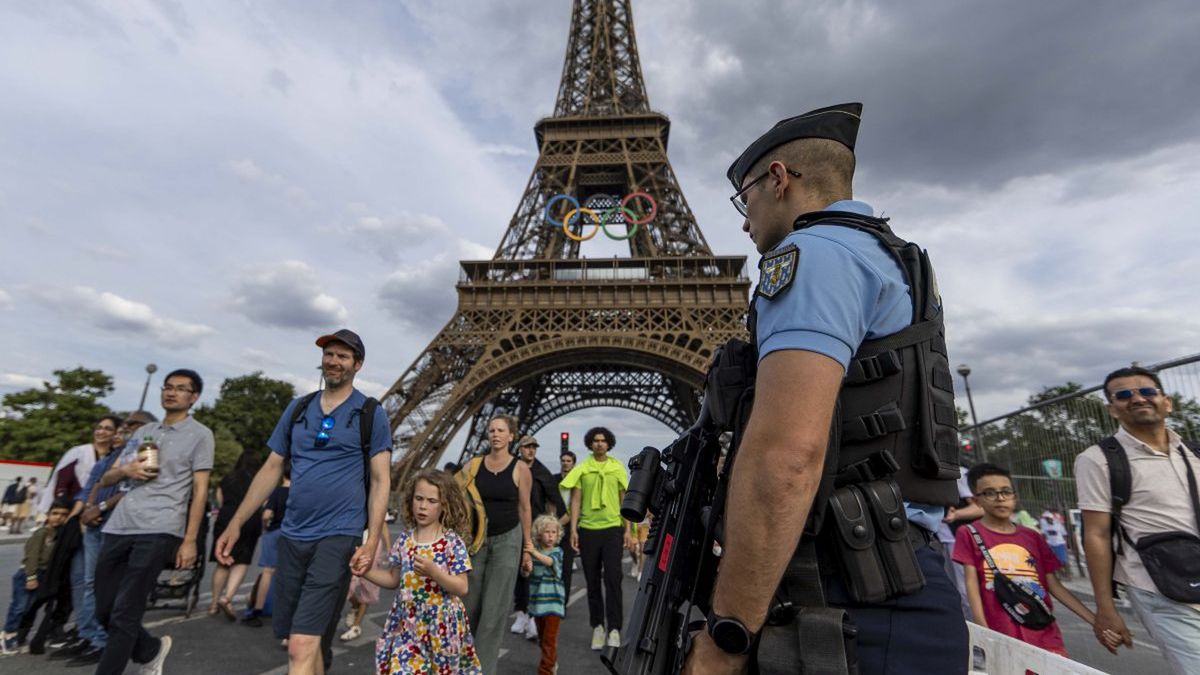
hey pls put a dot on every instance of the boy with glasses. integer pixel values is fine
(1159, 468)
(1019, 553)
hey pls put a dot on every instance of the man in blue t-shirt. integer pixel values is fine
(824, 290)
(327, 507)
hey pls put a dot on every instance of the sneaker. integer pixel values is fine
(8, 643)
(597, 638)
(154, 666)
(531, 630)
(635, 571)
(521, 624)
(350, 634)
(71, 650)
(349, 620)
(88, 658)
(614, 638)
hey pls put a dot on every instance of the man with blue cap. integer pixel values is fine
(850, 453)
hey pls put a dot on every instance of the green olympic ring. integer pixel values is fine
(600, 222)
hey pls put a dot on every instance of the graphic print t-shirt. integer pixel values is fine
(1022, 556)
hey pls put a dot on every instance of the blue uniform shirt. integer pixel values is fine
(328, 496)
(847, 288)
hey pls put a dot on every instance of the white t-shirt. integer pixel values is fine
(1052, 529)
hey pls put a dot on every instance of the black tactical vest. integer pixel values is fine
(898, 395)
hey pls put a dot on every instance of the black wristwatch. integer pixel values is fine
(730, 634)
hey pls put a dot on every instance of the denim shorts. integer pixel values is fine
(268, 547)
(312, 579)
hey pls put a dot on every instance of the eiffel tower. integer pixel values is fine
(541, 331)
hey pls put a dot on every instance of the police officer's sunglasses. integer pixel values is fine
(323, 434)
(739, 198)
(1126, 394)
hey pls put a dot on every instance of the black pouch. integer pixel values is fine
(1172, 560)
(891, 537)
(1027, 609)
(854, 538)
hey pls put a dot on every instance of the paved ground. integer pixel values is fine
(205, 645)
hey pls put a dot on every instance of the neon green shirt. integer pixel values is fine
(600, 485)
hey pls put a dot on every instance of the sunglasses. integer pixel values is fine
(323, 435)
(1126, 394)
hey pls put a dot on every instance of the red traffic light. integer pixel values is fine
(566, 435)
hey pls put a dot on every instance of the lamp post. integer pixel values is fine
(150, 368)
(964, 370)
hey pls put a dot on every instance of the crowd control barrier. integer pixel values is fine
(993, 653)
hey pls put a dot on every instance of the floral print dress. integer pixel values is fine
(427, 631)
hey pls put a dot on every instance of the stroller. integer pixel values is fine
(181, 588)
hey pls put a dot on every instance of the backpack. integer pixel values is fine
(1159, 552)
(466, 478)
(366, 424)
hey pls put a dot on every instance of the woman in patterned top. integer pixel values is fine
(427, 631)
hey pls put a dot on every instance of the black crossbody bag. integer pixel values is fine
(1172, 559)
(1023, 606)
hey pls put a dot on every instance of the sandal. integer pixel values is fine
(213, 609)
(227, 608)
(350, 634)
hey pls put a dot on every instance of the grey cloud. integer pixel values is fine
(391, 238)
(249, 171)
(116, 314)
(279, 80)
(286, 295)
(6, 301)
(422, 296)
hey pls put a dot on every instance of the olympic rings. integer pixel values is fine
(601, 222)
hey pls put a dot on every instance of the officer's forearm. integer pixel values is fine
(761, 532)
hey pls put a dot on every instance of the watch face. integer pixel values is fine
(730, 636)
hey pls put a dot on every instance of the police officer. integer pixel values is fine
(848, 326)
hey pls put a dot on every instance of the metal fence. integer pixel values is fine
(1039, 443)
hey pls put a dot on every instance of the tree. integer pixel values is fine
(249, 408)
(225, 454)
(42, 423)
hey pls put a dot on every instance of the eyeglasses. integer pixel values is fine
(171, 387)
(993, 495)
(1126, 394)
(323, 435)
(739, 198)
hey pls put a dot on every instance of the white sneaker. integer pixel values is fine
(350, 634)
(597, 638)
(349, 620)
(521, 624)
(614, 638)
(531, 630)
(154, 667)
(635, 571)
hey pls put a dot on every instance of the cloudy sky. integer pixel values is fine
(213, 184)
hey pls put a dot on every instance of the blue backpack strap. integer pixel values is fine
(297, 414)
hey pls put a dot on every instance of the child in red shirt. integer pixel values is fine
(1019, 552)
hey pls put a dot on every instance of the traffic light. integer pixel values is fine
(566, 440)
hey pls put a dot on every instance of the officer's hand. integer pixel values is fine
(706, 658)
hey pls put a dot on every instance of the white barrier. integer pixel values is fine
(993, 653)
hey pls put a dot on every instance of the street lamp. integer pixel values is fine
(965, 371)
(150, 368)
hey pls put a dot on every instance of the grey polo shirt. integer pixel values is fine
(160, 505)
(1158, 502)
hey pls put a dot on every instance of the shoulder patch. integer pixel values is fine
(777, 271)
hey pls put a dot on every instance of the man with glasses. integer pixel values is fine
(847, 324)
(154, 523)
(322, 533)
(1160, 467)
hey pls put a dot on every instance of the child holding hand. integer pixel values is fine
(427, 631)
(547, 595)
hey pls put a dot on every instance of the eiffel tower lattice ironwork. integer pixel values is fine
(540, 331)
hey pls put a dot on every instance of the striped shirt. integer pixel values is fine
(547, 596)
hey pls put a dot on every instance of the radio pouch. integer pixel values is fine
(891, 537)
(854, 538)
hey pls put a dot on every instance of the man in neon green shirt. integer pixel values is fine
(598, 533)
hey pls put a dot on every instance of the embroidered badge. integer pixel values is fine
(776, 271)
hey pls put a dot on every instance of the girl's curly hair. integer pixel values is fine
(455, 514)
(543, 522)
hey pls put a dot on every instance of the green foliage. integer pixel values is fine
(247, 408)
(225, 453)
(48, 421)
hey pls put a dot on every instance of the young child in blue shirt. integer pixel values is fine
(547, 595)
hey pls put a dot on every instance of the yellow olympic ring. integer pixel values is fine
(570, 215)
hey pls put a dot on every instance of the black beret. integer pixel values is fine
(837, 123)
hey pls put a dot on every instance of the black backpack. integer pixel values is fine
(1162, 553)
(366, 423)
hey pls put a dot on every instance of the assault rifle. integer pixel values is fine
(683, 490)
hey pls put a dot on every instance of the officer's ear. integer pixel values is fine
(780, 178)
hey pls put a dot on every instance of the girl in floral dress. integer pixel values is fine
(427, 631)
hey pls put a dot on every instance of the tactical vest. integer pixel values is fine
(897, 395)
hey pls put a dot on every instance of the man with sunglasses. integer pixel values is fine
(847, 324)
(155, 523)
(1160, 501)
(322, 531)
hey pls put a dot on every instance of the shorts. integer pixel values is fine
(312, 579)
(268, 547)
(1060, 552)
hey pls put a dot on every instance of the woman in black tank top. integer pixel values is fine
(504, 484)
